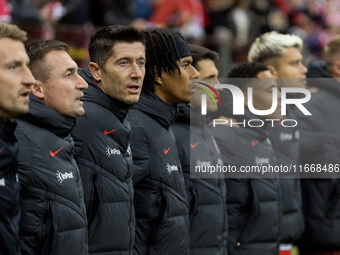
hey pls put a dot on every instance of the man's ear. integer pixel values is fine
(38, 90)
(273, 70)
(158, 78)
(96, 71)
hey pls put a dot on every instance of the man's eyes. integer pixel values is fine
(141, 63)
(13, 66)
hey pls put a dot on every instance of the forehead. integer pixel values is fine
(129, 50)
(206, 68)
(12, 50)
(60, 60)
(291, 54)
(185, 59)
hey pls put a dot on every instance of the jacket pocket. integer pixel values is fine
(47, 232)
(171, 234)
(93, 205)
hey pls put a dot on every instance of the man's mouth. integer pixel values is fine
(133, 88)
(25, 95)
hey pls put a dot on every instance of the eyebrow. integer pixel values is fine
(295, 61)
(272, 86)
(17, 62)
(210, 76)
(70, 69)
(186, 62)
(129, 58)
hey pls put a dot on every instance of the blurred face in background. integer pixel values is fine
(174, 88)
(15, 78)
(208, 75)
(289, 68)
(263, 94)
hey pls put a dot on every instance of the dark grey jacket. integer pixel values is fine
(162, 220)
(286, 143)
(9, 190)
(52, 200)
(320, 143)
(254, 207)
(206, 196)
(105, 163)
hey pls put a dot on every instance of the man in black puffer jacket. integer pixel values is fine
(206, 196)
(253, 204)
(53, 209)
(15, 82)
(102, 137)
(282, 53)
(320, 144)
(162, 222)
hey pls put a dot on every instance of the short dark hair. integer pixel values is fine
(161, 55)
(199, 53)
(36, 51)
(102, 42)
(247, 70)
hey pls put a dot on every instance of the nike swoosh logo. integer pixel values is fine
(166, 151)
(253, 143)
(193, 146)
(1, 150)
(56, 152)
(106, 132)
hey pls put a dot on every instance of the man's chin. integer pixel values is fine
(212, 108)
(131, 100)
(19, 111)
(79, 113)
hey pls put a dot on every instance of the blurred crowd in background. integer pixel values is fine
(227, 26)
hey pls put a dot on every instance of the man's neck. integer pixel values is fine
(163, 96)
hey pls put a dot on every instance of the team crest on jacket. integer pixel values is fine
(64, 176)
(110, 151)
(171, 168)
(261, 161)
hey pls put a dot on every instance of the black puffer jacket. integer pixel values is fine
(285, 141)
(105, 163)
(320, 143)
(253, 204)
(9, 190)
(320, 139)
(162, 222)
(206, 196)
(53, 209)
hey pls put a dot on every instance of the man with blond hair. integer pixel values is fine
(282, 55)
(15, 82)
